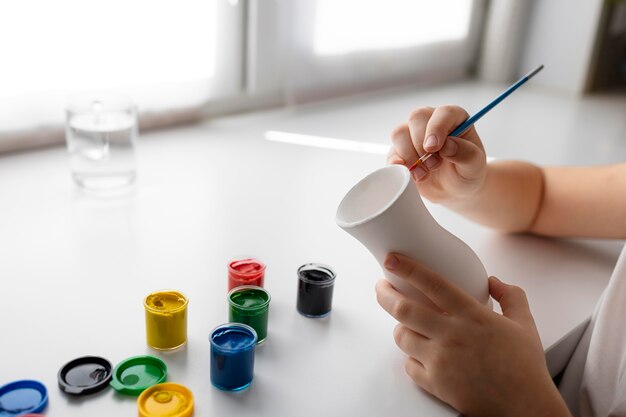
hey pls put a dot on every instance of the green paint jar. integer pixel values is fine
(250, 305)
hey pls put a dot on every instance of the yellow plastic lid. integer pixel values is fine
(166, 400)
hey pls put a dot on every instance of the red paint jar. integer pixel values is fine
(248, 271)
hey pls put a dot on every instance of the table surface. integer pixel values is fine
(76, 266)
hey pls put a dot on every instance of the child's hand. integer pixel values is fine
(478, 361)
(458, 169)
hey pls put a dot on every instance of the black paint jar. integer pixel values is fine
(315, 290)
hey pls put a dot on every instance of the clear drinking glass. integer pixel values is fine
(101, 131)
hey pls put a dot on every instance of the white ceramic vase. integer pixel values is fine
(385, 212)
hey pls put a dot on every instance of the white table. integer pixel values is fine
(75, 267)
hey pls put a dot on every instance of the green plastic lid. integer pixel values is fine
(135, 374)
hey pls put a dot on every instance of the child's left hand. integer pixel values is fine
(478, 361)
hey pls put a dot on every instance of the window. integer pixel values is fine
(390, 24)
(177, 57)
(342, 46)
(165, 54)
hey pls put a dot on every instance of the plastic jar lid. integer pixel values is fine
(133, 375)
(166, 400)
(21, 397)
(85, 375)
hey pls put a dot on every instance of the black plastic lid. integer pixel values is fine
(85, 375)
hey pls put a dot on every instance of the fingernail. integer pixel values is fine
(391, 262)
(417, 173)
(432, 162)
(430, 142)
(450, 148)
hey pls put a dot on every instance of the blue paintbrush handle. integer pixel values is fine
(466, 124)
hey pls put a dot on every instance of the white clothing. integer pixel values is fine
(593, 384)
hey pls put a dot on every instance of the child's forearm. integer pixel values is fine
(583, 202)
(510, 198)
(553, 201)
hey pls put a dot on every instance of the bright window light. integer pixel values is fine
(327, 143)
(344, 26)
(66, 45)
(332, 143)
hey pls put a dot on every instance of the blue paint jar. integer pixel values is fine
(232, 356)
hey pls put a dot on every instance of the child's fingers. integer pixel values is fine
(394, 159)
(417, 317)
(420, 174)
(411, 343)
(418, 120)
(402, 144)
(467, 156)
(472, 136)
(512, 300)
(417, 372)
(441, 292)
(443, 121)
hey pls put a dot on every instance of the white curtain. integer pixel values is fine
(344, 46)
(164, 55)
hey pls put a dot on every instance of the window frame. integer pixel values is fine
(226, 83)
(326, 77)
(259, 74)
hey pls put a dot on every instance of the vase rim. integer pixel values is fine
(406, 176)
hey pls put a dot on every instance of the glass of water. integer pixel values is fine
(101, 131)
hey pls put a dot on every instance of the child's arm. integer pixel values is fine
(559, 201)
(480, 362)
(584, 201)
(510, 196)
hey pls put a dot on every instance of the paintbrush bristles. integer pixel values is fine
(420, 161)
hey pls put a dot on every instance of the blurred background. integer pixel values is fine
(194, 60)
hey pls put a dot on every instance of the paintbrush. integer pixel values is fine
(469, 122)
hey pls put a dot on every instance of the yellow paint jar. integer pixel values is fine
(166, 319)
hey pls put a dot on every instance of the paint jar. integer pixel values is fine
(247, 271)
(166, 319)
(315, 290)
(250, 305)
(232, 356)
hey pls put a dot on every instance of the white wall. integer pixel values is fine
(505, 32)
(561, 35)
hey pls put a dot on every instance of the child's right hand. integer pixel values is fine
(459, 168)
